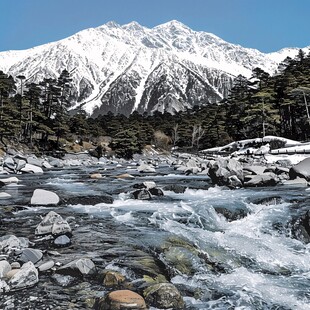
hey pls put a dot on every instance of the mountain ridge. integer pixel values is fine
(126, 68)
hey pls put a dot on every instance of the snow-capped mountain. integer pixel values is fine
(126, 68)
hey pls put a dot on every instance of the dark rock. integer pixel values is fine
(301, 227)
(164, 296)
(147, 185)
(234, 182)
(234, 214)
(302, 170)
(88, 200)
(155, 191)
(78, 268)
(142, 194)
(1, 184)
(178, 189)
(274, 200)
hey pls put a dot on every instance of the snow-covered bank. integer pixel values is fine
(281, 147)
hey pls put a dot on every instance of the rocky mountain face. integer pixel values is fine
(132, 68)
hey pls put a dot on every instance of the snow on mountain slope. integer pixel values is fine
(126, 68)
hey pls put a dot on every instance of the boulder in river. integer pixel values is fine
(164, 296)
(155, 191)
(9, 180)
(5, 195)
(261, 180)
(295, 182)
(122, 300)
(31, 255)
(79, 267)
(145, 168)
(29, 168)
(44, 197)
(9, 163)
(26, 276)
(233, 214)
(222, 169)
(142, 194)
(11, 242)
(89, 200)
(96, 176)
(146, 184)
(176, 188)
(54, 224)
(33, 160)
(301, 227)
(20, 164)
(301, 170)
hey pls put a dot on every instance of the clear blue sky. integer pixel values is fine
(267, 25)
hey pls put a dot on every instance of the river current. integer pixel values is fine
(251, 262)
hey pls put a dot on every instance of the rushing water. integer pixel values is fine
(248, 263)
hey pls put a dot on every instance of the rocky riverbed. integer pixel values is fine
(160, 232)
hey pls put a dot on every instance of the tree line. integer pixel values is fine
(37, 114)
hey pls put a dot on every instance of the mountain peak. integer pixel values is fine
(133, 26)
(173, 24)
(112, 24)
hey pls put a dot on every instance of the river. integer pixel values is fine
(251, 262)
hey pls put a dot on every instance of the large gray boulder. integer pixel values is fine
(301, 227)
(44, 197)
(79, 267)
(31, 255)
(30, 168)
(222, 169)
(302, 170)
(54, 224)
(261, 180)
(26, 276)
(11, 242)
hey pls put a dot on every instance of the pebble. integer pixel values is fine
(15, 265)
(46, 266)
(62, 240)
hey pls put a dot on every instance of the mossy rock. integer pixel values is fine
(164, 296)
